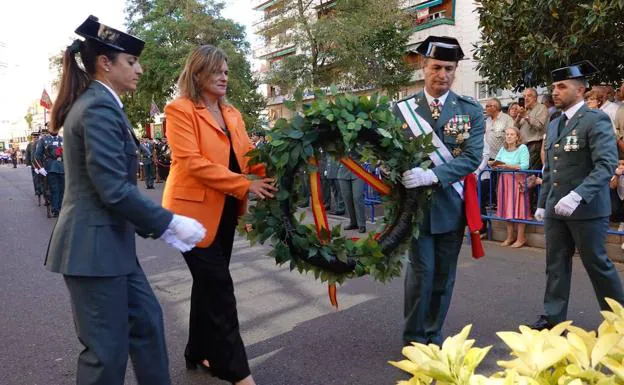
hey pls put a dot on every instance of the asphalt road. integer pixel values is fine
(293, 335)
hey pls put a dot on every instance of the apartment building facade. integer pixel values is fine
(456, 18)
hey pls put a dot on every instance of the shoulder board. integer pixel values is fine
(468, 99)
(412, 96)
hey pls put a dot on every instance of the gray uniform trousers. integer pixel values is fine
(137, 329)
(429, 282)
(589, 236)
(352, 191)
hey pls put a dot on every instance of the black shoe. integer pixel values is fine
(362, 229)
(351, 227)
(542, 323)
(337, 212)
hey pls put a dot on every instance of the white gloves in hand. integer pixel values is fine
(43, 172)
(186, 229)
(169, 238)
(417, 177)
(539, 214)
(566, 205)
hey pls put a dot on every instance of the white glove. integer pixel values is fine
(36, 170)
(539, 214)
(417, 177)
(186, 229)
(566, 205)
(169, 238)
(29, 166)
(43, 172)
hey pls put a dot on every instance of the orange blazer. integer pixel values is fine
(199, 178)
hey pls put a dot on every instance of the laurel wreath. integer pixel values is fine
(339, 125)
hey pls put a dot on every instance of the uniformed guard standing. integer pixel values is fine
(581, 156)
(457, 125)
(115, 311)
(148, 164)
(352, 192)
(49, 154)
(338, 207)
(34, 166)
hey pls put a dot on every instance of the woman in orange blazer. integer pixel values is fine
(208, 181)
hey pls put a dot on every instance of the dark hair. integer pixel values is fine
(75, 80)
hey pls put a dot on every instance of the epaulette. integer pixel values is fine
(407, 98)
(469, 99)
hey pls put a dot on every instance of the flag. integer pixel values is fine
(45, 101)
(153, 109)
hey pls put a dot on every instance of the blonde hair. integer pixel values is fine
(204, 60)
(518, 140)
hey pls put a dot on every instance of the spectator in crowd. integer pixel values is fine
(532, 121)
(495, 125)
(547, 101)
(513, 201)
(513, 109)
(591, 100)
(605, 104)
(619, 129)
(616, 184)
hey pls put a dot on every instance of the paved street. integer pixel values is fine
(293, 335)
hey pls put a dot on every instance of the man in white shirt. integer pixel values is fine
(495, 125)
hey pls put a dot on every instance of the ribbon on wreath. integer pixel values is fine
(318, 205)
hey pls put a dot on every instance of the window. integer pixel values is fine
(483, 91)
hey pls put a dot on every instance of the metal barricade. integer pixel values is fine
(524, 187)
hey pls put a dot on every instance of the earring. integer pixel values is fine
(107, 70)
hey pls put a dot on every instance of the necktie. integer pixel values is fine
(562, 124)
(435, 108)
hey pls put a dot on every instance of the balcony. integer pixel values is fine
(438, 27)
(264, 21)
(277, 46)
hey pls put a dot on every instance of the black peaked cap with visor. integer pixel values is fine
(441, 48)
(580, 70)
(92, 29)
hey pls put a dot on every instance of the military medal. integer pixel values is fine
(459, 138)
(457, 151)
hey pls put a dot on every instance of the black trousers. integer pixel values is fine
(214, 332)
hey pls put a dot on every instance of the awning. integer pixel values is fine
(428, 4)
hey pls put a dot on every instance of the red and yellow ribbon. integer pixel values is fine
(318, 205)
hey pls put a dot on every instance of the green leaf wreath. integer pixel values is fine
(340, 125)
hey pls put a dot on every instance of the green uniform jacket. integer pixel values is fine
(586, 168)
(102, 208)
(446, 211)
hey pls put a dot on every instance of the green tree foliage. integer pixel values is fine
(171, 30)
(522, 37)
(354, 43)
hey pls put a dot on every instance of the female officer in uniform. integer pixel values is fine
(93, 243)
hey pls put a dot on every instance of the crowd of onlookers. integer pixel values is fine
(514, 140)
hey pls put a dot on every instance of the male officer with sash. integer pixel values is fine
(457, 126)
(581, 156)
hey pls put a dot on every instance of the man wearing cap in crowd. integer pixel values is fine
(457, 124)
(49, 154)
(33, 164)
(574, 202)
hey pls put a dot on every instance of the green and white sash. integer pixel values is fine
(419, 126)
